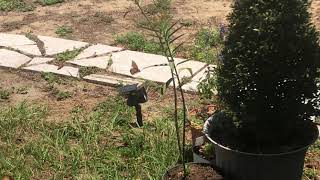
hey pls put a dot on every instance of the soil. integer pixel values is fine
(84, 94)
(196, 172)
(203, 152)
(99, 21)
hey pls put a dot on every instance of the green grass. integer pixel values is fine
(50, 2)
(68, 55)
(138, 42)
(96, 145)
(15, 5)
(63, 31)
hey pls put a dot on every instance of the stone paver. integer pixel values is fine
(96, 50)
(110, 80)
(100, 62)
(152, 67)
(192, 86)
(66, 70)
(12, 59)
(19, 42)
(122, 62)
(56, 45)
(39, 60)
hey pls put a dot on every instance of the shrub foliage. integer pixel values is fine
(268, 73)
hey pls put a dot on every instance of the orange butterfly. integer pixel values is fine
(134, 68)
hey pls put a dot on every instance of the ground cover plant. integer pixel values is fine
(101, 144)
(19, 5)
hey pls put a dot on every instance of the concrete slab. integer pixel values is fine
(39, 60)
(12, 59)
(56, 45)
(96, 50)
(192, 86)
(99, 62)
(122, 62)
(110, 80)
(9, 40)
(19, 42)
(66, 70)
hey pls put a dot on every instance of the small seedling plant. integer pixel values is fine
(165, 31)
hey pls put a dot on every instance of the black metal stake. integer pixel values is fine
(139, 115)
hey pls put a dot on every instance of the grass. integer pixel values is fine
(50, 2)
(96, 145)
(137, 42)
(68, 55)
(15, 5)
(63, 31)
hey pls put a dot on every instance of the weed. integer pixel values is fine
(207, 86)
(68, 55)
(137, 42)
(186, 22)
(19, 5)
(63, 31)
(22, 90)
(50, 78)
(85, 71)
(62, 95)
(4, 94)
(103, 17)
(50, 2)
(207, 45)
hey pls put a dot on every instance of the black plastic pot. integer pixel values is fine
(238, 165)
(165, 176)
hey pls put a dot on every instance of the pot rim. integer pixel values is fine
(316, 136)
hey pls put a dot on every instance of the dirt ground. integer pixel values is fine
(100, 20)
(90, 19)
(84, 94)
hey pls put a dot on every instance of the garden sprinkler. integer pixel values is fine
(135, 94)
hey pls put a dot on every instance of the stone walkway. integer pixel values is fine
(38, 53)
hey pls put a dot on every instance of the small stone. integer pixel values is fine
(97, 50)
(65, 70)
(12, 59)
(100, 62)
(56, 45)
(39, 60)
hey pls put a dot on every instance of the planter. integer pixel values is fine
(197, 156)
(238, 165)
(197, 171)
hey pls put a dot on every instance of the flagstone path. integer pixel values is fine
(37, 53)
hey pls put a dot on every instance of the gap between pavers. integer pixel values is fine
(12, 59)
(97, 50)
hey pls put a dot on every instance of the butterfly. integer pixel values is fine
(134, 68)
